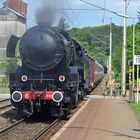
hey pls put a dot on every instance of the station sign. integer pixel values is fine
(136, 59)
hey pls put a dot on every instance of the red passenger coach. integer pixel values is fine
(94, 73)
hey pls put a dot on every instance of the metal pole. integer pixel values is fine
(110, 55)
(133, 69)
(123, 78)
(137, 84)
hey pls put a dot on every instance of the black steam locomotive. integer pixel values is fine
(55, 72)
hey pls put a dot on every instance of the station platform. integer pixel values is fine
(101, 119)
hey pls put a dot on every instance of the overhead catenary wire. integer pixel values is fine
(128, 3)
(79, 9)
(104, 11)
(69, 19)
(121, 23)
(99, 39)
(74, 13)
(110, 11)
(64, 13)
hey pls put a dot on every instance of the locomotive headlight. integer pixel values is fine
(62, 78)
(24, 78)
(57, 96)
(17, 96)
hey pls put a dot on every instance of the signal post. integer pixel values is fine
(110, 57)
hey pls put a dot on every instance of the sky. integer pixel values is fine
(84, 18)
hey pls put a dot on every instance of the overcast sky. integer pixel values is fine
(86, 18)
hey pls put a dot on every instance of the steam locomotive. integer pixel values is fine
(55, 73)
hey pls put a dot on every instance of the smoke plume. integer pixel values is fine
(47, 13)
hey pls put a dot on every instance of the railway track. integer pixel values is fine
(26, 129)
(33, 128)
(50, 130)
(46, 130)
(3, 100)
(5, 104)
(4, 130)
(5, 107)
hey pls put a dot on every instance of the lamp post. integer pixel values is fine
(133, 67)
(133, 53)
(110, 58)
(123, 77)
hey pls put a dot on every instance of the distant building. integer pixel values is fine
(12, 21)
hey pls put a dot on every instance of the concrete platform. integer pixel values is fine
(103, 97)
(101, 119)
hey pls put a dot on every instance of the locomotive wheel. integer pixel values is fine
(74, 99)
(83, 93)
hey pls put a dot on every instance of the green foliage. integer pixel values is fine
(136, 108)
(62, 24)
(130, 41)
(97, 49)
(129, 48)
(8, 65)
(94, 47)
(116, 62)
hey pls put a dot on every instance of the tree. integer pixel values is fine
(62, 24)
(8, 65)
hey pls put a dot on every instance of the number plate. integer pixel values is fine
(137, 60)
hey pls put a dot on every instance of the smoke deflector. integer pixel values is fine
(11, 47)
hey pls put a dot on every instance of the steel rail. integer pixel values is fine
(6, 106)
(11, 126)
(45, 129)
(4, 100)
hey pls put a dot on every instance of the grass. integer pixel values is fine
(136, 108)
